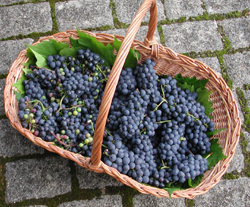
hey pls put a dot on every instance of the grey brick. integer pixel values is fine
(83, 14)
(89, 179)
(225, 6)
(227, 193)
(212, 62)
(127, 9)
(2, 85)
(37, 178)
(192, 36)
(238, 68)
(8, 2)
(183, 8)
(13, 143)
(237, 30)
(104, 201)
(150, 200)
(237, 163)
(141, 34)
(25, 19)
(9, 51)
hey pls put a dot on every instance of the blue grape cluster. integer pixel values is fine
(61, 103)
(155, 132)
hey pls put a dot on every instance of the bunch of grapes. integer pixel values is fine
(155, 132)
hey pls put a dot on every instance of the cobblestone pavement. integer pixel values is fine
(214, 32)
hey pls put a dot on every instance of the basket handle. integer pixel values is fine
(112, 82)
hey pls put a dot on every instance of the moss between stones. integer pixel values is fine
(245, 109)
(2, 76)
(231, 176)
(224, 70)
(246, 86)
(203, 6)
(227, 47)
(234, 14)
(117, 23)
(2, 184)
(244, 143)
(245, 126)
(3, 116)
(189, 203)
(127, 194)
(162, 37)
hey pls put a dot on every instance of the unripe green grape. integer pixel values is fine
(77, 131)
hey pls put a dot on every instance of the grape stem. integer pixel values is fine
(60, 104)
(36, 102)
(163, 99)
(208, 155)
(100, 70)
(161, 122)
(108, 133)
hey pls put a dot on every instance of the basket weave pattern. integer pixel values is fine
(168, 62)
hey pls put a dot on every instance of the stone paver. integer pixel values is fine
(183, 8)
(127, 9)
(192, 36)
(2, 85)
(142, 200)
(25, 19)
(89, 179)
(237, 30)
(237, 163)
(104, 201)
(12, 143)
(212, 62)
(141, 34)
(227, 193)
(238, 68)
(9, 51)
(225, 6)
(37, 178)
(83, 14)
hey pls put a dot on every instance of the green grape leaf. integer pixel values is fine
(216, 131)
(31, 60)
(198, 86)
(132, 57)
(26, 70)
(44, 49)
(195, 182)
(68, 52)
(19, 95)
(191, 81)
(215, 154)
(74, 43)
(187, 86)
(203, 99)
(171, 190)
(104, 51)
(19, 84)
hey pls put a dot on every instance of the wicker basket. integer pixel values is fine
(168, 62)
